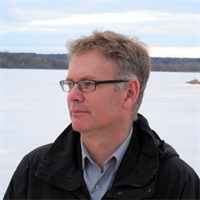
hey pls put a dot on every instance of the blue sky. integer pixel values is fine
(171, 28)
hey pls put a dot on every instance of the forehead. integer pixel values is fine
(90, 65)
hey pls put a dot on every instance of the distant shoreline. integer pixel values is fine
(59, 61)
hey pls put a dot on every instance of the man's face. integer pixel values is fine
(98, 110)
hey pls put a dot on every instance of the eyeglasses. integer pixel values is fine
(85, 85)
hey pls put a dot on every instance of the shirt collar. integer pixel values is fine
(118, 154)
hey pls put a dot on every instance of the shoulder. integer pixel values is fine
(18, 186)
(176, 166)
(177, 179)
(40, 151)
(33, 158)
(172, 164)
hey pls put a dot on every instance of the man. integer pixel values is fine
(109, 150)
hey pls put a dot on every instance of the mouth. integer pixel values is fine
(77, 112)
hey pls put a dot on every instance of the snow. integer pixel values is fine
(34, 112)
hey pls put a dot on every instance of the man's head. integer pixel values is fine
(128, 56)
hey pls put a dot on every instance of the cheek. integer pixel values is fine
(97, 105)
(68, 103)
(105, 107)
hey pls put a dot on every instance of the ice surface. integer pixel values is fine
(34, 112)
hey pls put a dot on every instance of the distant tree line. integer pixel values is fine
(59, 61)
(176, 64)
(33, 61)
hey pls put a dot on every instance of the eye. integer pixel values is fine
(88, 83)
(69, 84)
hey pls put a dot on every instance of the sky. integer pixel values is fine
(170, 28)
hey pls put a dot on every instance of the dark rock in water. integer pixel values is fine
(195, 81)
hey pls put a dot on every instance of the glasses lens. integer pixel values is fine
(86, 85)
(67, 85)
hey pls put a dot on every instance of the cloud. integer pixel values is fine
(43, 27)
(125, 17)
(180, 52)
(143, 21)
(137, 22)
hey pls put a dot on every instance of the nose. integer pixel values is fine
(79, 86)
(75, 94)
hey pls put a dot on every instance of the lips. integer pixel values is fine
(78, 112)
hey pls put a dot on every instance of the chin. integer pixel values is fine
(78, 126)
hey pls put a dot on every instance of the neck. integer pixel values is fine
(102, 144)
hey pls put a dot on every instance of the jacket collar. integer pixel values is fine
(141, 160)
(62, 164)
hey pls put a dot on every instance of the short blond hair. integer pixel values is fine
(129, 55)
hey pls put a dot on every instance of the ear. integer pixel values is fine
(132, 92)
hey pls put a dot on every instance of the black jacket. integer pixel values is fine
(150, 169)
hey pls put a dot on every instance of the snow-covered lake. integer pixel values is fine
(34, 112)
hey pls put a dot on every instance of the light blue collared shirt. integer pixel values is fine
(98, 183)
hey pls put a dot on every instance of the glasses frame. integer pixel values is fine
(95, 83)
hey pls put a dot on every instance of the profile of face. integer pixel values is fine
(101, 109)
